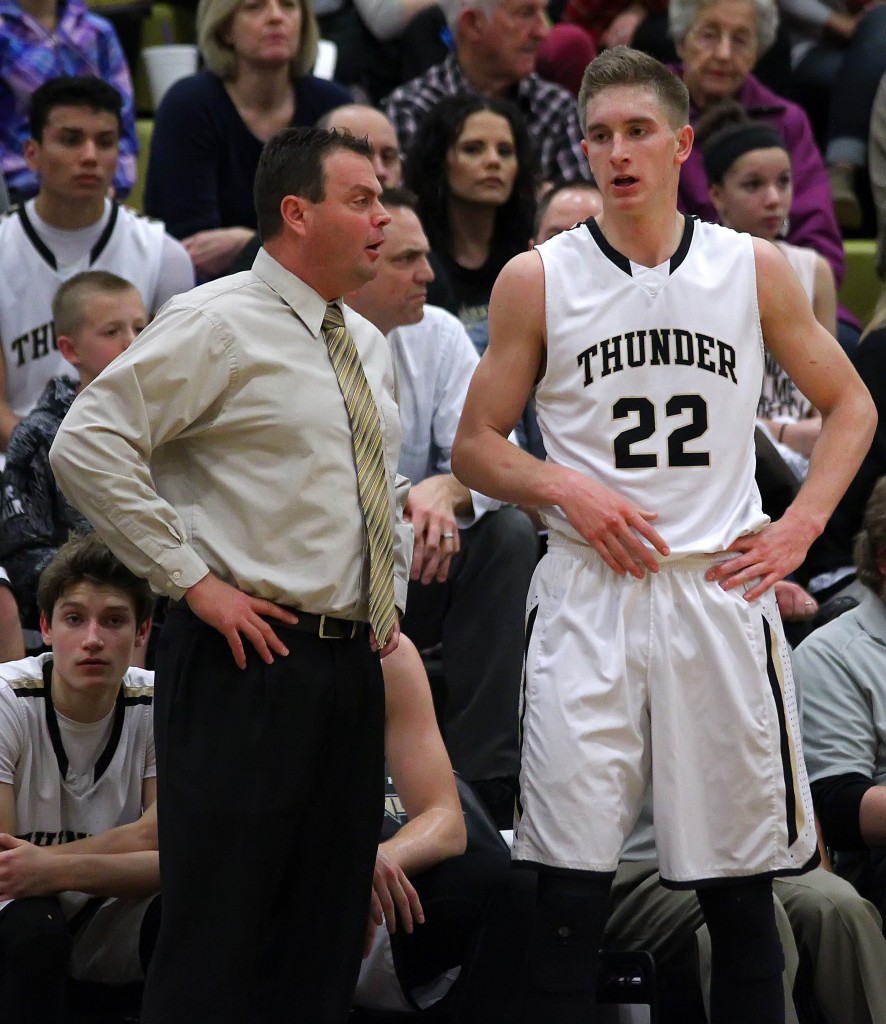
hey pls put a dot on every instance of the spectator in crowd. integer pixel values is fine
(278, 434)
(473, 558)
(839, 56)
(361, 120)
(472, 169)
(496, 42)
(45, 39)
(832, 939)
(76, 758)
(447, 912)
(97, 315)
(564, 206)
(210, 128)
(749, 170)
(877, 167)
(12, 644)
(68, 227)
(718, 42)
(841, 670)
(829, 566)
(367, 36)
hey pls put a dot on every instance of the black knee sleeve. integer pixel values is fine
(570, 917)
(35, 948)
(744, 938)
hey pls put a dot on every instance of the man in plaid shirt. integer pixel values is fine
(496, 42)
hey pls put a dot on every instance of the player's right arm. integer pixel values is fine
(484, 460)
(8, 419)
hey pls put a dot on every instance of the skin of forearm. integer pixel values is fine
(124, 874)
(844, 440)
(8, 423)
(872, 816)
(433, 836)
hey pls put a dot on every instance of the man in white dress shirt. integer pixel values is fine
(218, 460)
(473, 556)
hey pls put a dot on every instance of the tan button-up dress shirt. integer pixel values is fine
(220, 441)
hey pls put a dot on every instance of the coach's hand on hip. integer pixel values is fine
(233, 613)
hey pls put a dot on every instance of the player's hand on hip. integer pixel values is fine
(762, 559)
(619, 531)
(238, 617)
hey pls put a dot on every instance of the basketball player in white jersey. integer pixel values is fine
(71, 226)
(653, 640)
(76, 759)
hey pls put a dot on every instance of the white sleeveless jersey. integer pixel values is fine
(130, 246)
(52, 804)
(653, 378)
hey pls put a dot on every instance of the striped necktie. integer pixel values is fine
(371, 474)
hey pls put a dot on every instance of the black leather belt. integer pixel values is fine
(329, 628)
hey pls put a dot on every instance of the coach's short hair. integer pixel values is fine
(73, 91)
(624, 66)
(213, 20)
(87, 559)
(292, 164)
(69, 307)
(870, 542)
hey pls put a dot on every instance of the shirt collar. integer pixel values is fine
(871, 613)
(308, 305)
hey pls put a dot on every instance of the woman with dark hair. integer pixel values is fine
(472, 168)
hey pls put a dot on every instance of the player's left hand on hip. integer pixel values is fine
(761, 560)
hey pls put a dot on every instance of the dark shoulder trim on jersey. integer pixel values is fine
(35, 240)
(55, 735)
(105, 236)
(611, 253)
(683, 248)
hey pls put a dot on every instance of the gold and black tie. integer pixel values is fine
(369, 457)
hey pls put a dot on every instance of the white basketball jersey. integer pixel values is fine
(653, 377)
(129, 246)
(53, 804)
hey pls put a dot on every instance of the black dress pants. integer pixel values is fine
(270, 796)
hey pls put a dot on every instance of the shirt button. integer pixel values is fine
(176, 575)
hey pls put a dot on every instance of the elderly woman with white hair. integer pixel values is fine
(211, 127)
(718, 42)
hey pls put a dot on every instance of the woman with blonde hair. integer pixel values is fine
(211, 127)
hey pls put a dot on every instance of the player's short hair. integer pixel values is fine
(73, 91)
(87, 559)
(683, 14)
(213, 21)
(292, 164)
(624, 66)
(71, 302)
(399, 199)
(579, 185)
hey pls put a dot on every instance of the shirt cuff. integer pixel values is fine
(176, 571)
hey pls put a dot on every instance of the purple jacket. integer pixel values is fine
(812, 220)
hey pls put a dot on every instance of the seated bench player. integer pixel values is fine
(97, 315)
(76, 759)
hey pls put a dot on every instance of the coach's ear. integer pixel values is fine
(295, 211)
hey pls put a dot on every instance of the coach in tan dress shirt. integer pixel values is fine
(216, 459)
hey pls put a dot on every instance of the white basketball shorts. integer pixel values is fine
(668, 675)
